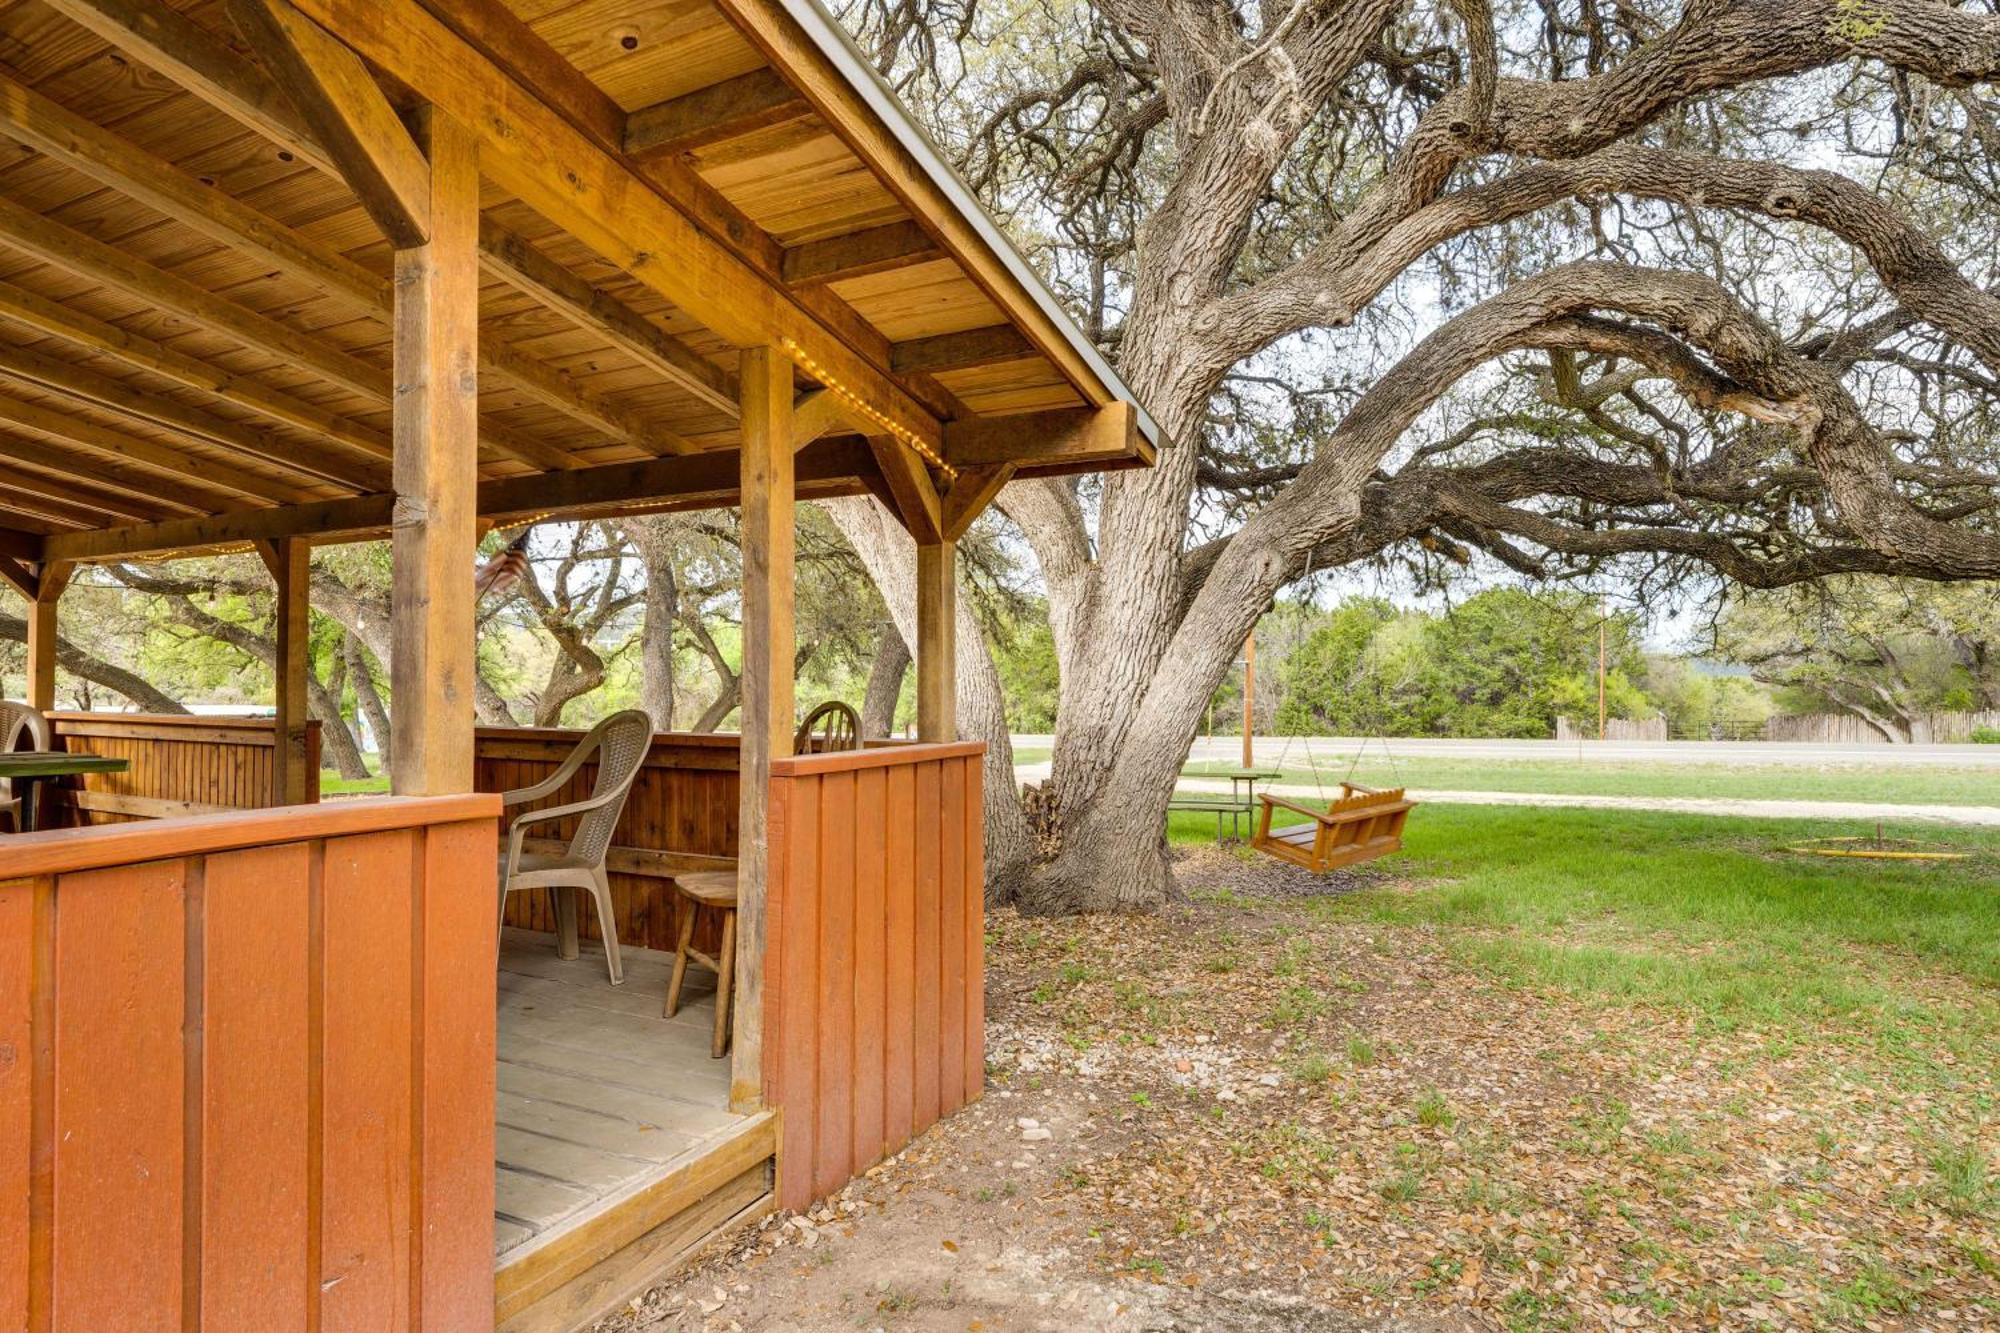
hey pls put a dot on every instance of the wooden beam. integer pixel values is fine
(937, 641)
(814, 414)
(767, 709)
(308, 462)
(725, 110)
(859, 253)
(909, 481)
(336, 95)
(434, 541)
(18, 545)
(536, 275)
(50, 580)
(634, 221)
(505, 38)
(1067, 436)
(991, 346)
(290, 562)
(20, 576)
(971, 492)
(169, 43)
(842, 466)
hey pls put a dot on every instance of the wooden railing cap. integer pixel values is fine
(60, 851)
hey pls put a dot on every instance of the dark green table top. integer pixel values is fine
(57, 764)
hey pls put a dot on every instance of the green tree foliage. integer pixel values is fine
(1504, 662)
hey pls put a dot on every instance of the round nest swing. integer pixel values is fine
(1879, 848)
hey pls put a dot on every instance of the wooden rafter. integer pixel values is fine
(909, 481)
(859, 253)
(166, 495)
(725, 110)
(972, 490)
(962, 351)
(1074, 437)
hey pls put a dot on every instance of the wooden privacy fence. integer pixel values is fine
(873, 976)
(1615, 729)
(179, 765)
(1847, 729)
(247, 1071)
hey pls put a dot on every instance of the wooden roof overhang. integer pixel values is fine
(195, 276)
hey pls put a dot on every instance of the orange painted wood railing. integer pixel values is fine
(247, 1070)
(180, 765)
(874, 983)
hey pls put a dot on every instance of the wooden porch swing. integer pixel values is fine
(1359, 825)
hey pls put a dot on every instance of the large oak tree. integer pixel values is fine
(1566, 284)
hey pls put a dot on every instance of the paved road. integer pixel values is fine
(1272, 749)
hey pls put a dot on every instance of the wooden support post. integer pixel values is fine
(50, 580)
(767, 709)
(937, 641)
(290, 563)
(436, 430)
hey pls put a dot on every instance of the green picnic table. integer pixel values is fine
(27, 770)
(1239, 804)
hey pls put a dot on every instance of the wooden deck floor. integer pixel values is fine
(599, 1096)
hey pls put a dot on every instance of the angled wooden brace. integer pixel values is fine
(348, 113)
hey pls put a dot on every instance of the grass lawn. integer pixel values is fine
(332, 784)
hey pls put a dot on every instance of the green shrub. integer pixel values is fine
(1986, 735)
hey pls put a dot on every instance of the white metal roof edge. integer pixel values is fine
(833, 40)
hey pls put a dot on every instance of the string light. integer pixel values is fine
(854, 400)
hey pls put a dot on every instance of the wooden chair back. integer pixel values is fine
(831, 726)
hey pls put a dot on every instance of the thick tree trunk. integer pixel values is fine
(653, 538)
(885, 684)
(366, 695)
(890, 557)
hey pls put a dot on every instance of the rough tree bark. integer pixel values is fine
(885, 684)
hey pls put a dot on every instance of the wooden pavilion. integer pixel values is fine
(282, 272)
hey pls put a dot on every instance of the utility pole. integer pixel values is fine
(1601, 622)
(1249, 695)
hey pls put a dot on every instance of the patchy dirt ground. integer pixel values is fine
(1251, 1113)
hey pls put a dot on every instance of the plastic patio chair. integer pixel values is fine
(16, 722)
(620, 743)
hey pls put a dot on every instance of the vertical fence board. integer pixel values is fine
(974, 864)
(254, 1088)
(835, 1135)
(366, 1148)
(951, 934)
(120, 991)
(458, 946)
(924, 1088)
(869, 820)
(794, 871)
(899, 976)
(17, 1091)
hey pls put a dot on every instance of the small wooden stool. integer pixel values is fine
(717, 889)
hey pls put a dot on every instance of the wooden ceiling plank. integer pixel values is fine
(991, 346)
(62, 511)
(92, 439)
(170, 43)
(132, 404)
(81, 145)
(859, 253)
(513, 259)
(534, 153)
(174, 491)
(74, 490)
(725, 110)
(60, 321)
(336, 95)
(74, 252)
